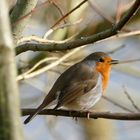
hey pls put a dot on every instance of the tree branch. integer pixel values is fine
(27, 75)
(84, 40)
(117, 104)
(93, 115)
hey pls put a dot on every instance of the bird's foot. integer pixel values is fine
(89, 112)
(72, 113)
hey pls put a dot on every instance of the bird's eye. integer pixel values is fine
(101, 60)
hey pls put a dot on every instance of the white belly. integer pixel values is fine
(88, 100)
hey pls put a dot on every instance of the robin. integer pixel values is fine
(81, 86)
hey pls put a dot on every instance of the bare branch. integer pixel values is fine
(84, 40)
(35, 66)
(42, 40)
(93, 115)
(28, 75)
(130, 99)
(116, 49)
(117, 104)
(122, 35)
(59, 27)
(59, 9)
(129, 61)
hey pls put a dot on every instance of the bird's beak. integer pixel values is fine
(112, 62)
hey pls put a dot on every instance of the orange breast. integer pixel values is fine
(104, 69)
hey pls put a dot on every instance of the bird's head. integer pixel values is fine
(101, 59)
(102, 64)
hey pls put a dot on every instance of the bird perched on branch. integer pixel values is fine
(81, 86)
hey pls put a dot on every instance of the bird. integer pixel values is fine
(81, 86)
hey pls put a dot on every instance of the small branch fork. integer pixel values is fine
(93, 115)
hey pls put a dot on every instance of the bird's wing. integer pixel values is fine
(75, 91)
(82, 81)
(75, 74)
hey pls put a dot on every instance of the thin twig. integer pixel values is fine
(59, 9)
(41, 40)
(67, 14)
(36, 39)
(129, 61)
(50, 31)
(21, 76)
(132, 33)
(122, 35)
(117, 104)
(50, 66)
(130, 99)
(80, 114)
(116, 49)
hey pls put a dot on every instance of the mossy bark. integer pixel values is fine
(10, 127)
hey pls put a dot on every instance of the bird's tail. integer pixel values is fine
(47, 101)
(34, 114)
